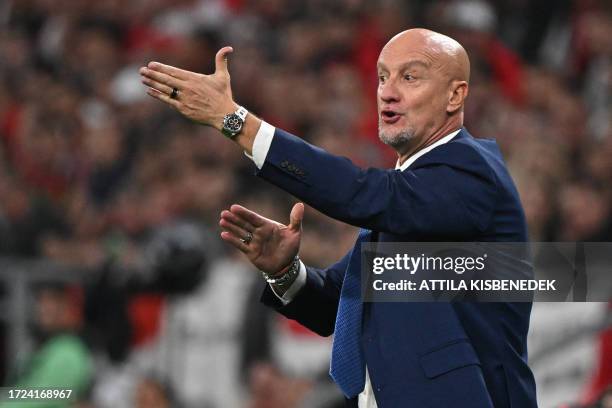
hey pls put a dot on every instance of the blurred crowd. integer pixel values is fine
(96, 175)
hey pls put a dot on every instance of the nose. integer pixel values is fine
(388, 92)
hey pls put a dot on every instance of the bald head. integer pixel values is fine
(423, 82)
(446, 54)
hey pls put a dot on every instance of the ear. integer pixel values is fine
(457, 94)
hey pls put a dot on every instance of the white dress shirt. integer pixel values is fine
(261, 146)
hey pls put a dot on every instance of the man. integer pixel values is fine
(449, 187)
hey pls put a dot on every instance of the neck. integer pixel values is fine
(418, 143)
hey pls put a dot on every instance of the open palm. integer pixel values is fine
(272, 245)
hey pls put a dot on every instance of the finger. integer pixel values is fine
(162, 78)
(165, 89)
(233, 228)
(163, 97)
(221, 60)
(248, 215)
(237, 220)
(234, 241)
(296, 217)
(170, 70)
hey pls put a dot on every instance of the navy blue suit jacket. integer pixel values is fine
(419, 355)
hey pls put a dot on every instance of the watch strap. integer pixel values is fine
(286, 278)
(242, 113)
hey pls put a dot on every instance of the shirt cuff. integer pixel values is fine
(261, 144)
(295, 287)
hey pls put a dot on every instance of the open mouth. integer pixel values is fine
(389, 116)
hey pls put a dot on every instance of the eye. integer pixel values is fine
(381, 78)
(408, 77)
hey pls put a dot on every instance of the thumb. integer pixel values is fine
(221, 60)
(296, 216)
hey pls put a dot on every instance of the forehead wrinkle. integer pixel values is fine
(412, 63)
(407, 64)
(406, 58)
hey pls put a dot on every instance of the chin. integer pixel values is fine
(394, 138)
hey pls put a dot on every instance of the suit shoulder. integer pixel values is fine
(467, 154)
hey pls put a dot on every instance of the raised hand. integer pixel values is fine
(269, 245)
(205, 99)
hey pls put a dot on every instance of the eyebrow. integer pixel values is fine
(405, 65)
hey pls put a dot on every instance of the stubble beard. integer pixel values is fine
(395, 139)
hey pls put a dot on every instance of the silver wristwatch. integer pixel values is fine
(233, 122)
(286, 277)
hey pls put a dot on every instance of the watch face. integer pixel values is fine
(233, 123)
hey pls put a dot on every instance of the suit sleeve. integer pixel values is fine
(316, 304)
(452, 193)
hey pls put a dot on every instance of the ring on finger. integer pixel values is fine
(175, 93)
(247, 239)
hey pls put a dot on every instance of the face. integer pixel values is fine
(412, 92)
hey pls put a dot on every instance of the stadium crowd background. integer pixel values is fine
(99, 178)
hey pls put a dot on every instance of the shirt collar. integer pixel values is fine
(421, 152)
